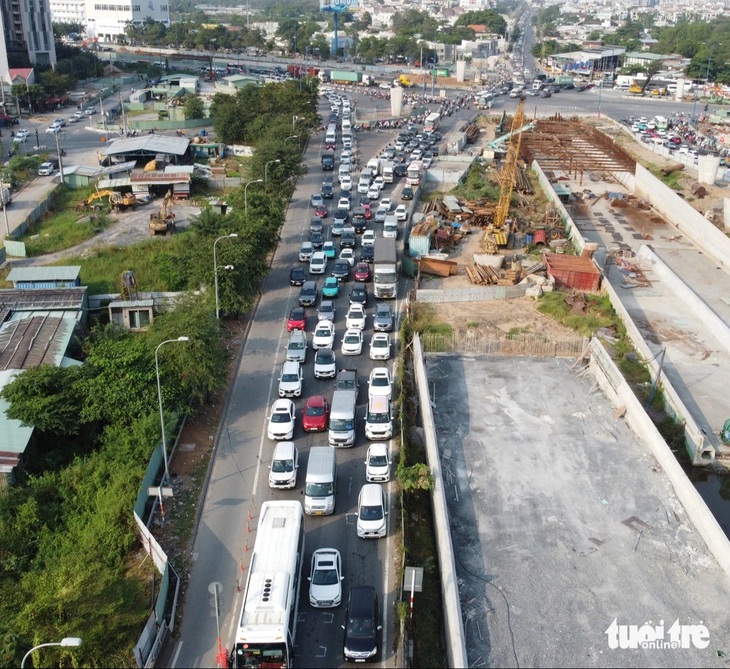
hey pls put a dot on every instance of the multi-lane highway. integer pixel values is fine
(239, 482)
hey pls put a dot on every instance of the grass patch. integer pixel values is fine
(598, 314)
(152, 260)
(63, 227)
(424, 319)
(477, 186)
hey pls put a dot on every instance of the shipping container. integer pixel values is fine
(344, 76)
(574, 272)
(441, 72)
(564, 80)
(419, 245)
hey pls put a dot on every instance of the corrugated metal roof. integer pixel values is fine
(34, 341)
(130, 304)
(83, 170)
(117, 167)
(51, 273)
(140, 177)
(179, 169)
(16, 299)
(152, 143)
(114, 183)
(14, 436)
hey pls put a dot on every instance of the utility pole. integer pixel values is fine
(58, 153)
(5, 209)
(124, 116)
(101, 107)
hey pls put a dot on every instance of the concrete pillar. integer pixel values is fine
(680, 90)
(726, 213)
(460, 70)
(707, 167)
(396, 101)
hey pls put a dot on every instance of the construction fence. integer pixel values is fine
(523, 344)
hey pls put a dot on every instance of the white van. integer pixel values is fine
(378, 419)
(342, 418)
(390, 227)
(343, 171)
(345, 126)
(374, 165)
(284, 466)
(320, 486)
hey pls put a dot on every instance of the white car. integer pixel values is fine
(371, 512)
(379, 183)
(427, 162)
(349, 255)
(325, 364)
(373, 193)
(401, 212)
(384, 85)
(90, 111)
(363, 186)
(380, 346)
(306, 250)
(355, 317)
(346, 183)
(343, 203)
(290, 381)
(281, 420)
(380, 384)
(325, 579)
(324, 335)
(54, 129)
(22, 135)
(387, 203)
(352, 342)
(318, 263)
(377, 463)
(79, 114)
(284, 465)
(368, 238)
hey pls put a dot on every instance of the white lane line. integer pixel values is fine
(177, 654)
(386, 576)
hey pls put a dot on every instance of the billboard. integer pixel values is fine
(338, 5)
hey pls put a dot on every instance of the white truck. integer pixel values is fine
(385, 270)
(6, 196)
(388, 171)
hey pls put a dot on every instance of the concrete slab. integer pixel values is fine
(576, 525)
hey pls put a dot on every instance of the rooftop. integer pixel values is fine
(51, 273)
(152, 144)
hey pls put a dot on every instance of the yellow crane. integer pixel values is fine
(509, 171)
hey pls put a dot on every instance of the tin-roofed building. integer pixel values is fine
(45, 277)
(142, 149)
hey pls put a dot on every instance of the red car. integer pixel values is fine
(362, 272)
(321, 211)
(297, 319)
(368, 211)
(316, 414)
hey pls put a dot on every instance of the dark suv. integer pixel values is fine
(361, 625)
(308, 294)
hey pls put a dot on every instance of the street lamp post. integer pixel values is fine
(291, 137)
(245, 195)
(159, 398)
(68, 642)
(215, 269)
(266, 168)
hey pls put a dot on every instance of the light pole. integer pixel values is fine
(68, 642)
(245, 195)
(159, 397)
(266, 168)
(291, 137)
(215, 269)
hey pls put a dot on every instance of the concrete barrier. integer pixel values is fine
(693, 302)
(683, 216)
(453, 627)
(470, 294)
(613, 384)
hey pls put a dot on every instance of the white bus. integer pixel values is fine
(267, 627)
(432, 121)
(414, 173)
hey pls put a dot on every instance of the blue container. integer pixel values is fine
(529, 238)
(203, 133)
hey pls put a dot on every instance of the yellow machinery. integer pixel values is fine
(405, 81)
(86, 204)
(635, 89)
(116, 200)
(163, 221)
(494, 234)
(150, 166)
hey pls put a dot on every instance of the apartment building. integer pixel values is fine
(26, 33)
(68, 11)
(107, 20)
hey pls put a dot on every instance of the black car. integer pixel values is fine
(400, 157)
(341, 270)
(437, 136)
(546, 94)
(317, 239)
(367, 254)
(400, 170)
(297, 276)
(345, 192)
(348, 239)
(359, 295)
(308, 294)
(361, 625)
(326, 191)
(406, 193)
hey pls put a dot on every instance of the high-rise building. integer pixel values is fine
(68, 11)
(27, 35)
(107, 21)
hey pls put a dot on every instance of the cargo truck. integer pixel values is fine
(345, 77)
(328, 161)
(385, 271)
(403, 81)
(564, 80)
(388, 171)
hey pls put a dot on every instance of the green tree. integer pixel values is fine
(55, 83)
(48, 398)
(495, 22)
(194, 107)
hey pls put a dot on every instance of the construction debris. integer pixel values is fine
(437, 266)
(698, 190)
(670, 169)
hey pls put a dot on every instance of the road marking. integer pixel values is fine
(177, 653)
(386, 575)
(324, 654)
(331, 617)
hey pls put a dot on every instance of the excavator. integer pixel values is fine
(116, 200)
(163, 222)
